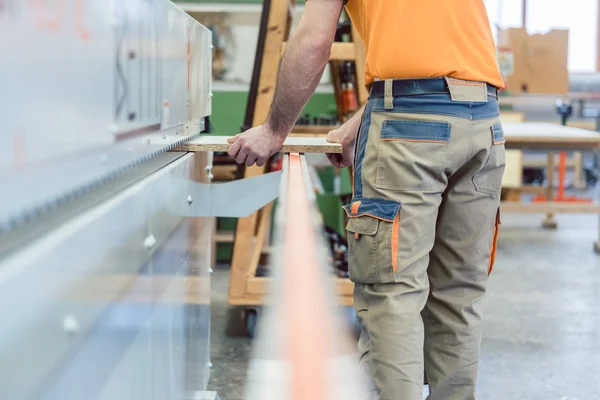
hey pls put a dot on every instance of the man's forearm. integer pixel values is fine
(300, 72)
(304, 60)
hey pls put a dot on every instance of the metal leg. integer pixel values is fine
(550, 222)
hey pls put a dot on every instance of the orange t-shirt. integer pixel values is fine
(426, 38)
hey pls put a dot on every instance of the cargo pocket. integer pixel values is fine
(489, 178)
(372, 240)
(412, 155)
(494, 242)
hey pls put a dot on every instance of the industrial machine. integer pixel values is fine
(104, 234)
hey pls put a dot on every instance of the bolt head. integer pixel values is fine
(190, 200)
(209, 365)
(211, 177)
(70, 324)
(210, 271)
(150, 242)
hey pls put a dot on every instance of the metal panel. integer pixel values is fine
(113, 304)
(236, 199)
(78, 76)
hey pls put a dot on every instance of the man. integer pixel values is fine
(428, 153)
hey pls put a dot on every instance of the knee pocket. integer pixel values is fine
(373, 228)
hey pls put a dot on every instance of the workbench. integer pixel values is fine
(549, 138)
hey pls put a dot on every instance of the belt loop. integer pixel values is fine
(388, 99)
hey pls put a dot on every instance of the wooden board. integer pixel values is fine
(291, 145)
(544, 136)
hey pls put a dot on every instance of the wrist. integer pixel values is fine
(276, 130)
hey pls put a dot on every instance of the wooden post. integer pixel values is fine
(245, 238)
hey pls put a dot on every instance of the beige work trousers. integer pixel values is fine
(422, 234)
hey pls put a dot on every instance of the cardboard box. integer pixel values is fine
(540, 61)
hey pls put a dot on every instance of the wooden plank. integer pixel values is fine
(224, 172)
(261, 235)
(550, 208)
(223, 237)
(291, 145)
(340, 51)
(539, 135)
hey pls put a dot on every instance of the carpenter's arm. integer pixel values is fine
(304, 60)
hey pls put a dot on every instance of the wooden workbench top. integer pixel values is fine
(292, 145)
(542, 135)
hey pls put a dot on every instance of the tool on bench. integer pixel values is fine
(565, 109)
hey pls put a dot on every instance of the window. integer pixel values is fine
(579, 17)
(504, 14)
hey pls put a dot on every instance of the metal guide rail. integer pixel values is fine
(303, 349)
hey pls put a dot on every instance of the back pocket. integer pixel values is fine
(373, 227)
(412, 154)
(489, 178)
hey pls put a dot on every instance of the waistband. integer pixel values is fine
(415, 87)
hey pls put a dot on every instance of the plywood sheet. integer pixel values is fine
(291, 145)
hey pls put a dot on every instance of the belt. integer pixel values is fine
(415, 87)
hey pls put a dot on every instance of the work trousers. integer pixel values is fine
(422, 232)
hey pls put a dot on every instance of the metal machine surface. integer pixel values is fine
(104, 265)
(91, 87)
(113, 304)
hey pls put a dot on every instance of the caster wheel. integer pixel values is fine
(550, 223)
(251, 320)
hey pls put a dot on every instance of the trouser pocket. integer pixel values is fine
(373, 240)
(412, 154)
(489, 178)
(494, 242)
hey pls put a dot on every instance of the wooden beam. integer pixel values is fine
(551, 207)
(277, 31)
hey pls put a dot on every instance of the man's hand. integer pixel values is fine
(255, 145)
(346, 136)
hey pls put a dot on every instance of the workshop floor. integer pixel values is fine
(542, 323)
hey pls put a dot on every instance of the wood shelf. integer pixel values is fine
(224, 237)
